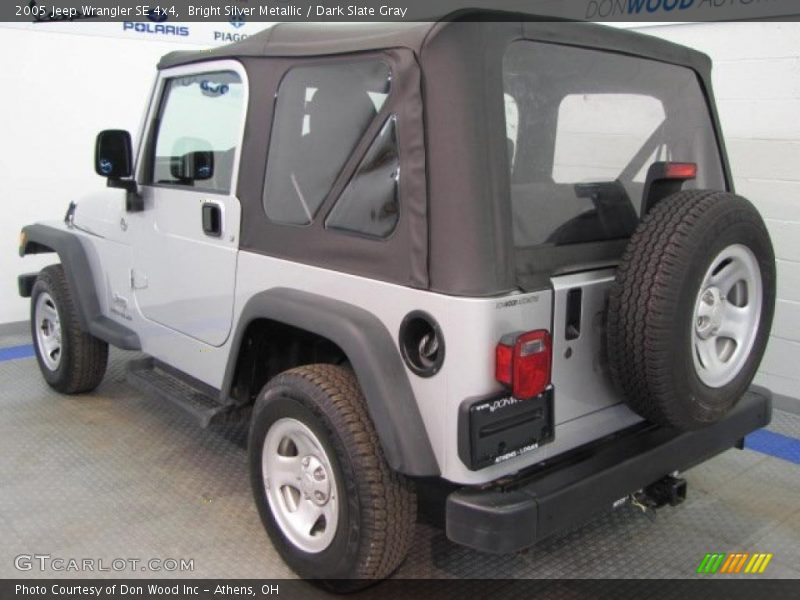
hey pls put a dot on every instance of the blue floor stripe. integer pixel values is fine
(774, 444)
(15, 352)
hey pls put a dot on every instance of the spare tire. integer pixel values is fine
(691, 308)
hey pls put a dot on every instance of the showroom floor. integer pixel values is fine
(117, 475)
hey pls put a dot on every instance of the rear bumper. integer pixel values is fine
(556, 497)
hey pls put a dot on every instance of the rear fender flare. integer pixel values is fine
(374, 357)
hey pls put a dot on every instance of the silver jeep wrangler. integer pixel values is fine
(504, 256)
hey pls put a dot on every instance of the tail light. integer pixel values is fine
(523, 363)
(680, 171)
(664, 179)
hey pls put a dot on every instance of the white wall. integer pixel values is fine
(61, 84)
(58, 91)
(757, 83)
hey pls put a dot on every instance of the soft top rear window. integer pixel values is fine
(583, 126)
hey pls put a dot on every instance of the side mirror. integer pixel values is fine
(193, 166)
(113, 157)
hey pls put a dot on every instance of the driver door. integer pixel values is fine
(186, 246)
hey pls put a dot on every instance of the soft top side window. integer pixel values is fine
(199, 122)
(321, 114)
(369, 204)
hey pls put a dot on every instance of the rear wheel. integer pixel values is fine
(300, 484)
(71, 360)
(691, 308)
(333, 508)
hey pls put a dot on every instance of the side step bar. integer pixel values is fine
(155, 379)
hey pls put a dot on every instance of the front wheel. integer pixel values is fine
(333, 508)
(71, 360)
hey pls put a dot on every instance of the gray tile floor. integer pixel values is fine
(117, 475)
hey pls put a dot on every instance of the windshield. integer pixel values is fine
(583, 127)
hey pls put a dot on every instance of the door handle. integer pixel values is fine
(212, 219)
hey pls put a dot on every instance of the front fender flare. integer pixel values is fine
(375, 359)
(40, 238)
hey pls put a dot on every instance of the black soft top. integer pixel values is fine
(456, 235)
(319, 39)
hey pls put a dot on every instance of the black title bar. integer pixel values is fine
(39, 11)
(710, 588)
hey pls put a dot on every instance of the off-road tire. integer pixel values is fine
(84, 358)
(652, 304)
(377, 511)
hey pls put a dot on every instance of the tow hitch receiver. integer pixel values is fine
(668, 490)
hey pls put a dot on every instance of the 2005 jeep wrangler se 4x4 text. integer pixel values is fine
(502, 254)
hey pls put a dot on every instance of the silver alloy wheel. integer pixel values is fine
(727, 315)
(300, 485)
(48, 331)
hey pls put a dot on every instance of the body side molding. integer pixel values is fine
(375, 359)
